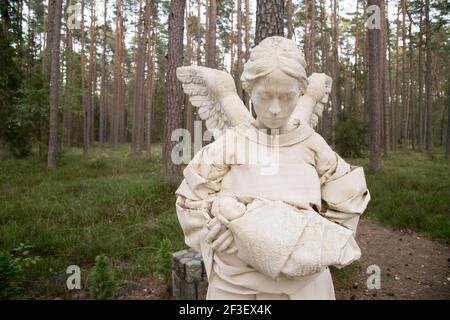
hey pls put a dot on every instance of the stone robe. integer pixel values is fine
(297, 168)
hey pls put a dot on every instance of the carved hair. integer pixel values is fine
(270, 54)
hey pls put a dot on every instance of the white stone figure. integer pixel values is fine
(268, 234)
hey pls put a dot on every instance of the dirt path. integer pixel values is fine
(412, 267)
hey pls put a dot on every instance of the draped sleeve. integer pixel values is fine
(202, 181)
(343, 187)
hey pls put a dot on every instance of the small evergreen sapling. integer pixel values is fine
(102, 285)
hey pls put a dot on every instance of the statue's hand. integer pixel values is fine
(319, 87)
(224, 209)
(220, 238)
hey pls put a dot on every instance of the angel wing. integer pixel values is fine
(213, 92)
(310, 106)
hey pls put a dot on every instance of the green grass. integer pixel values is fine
(412, 192)
(76, 212)
(120, 207)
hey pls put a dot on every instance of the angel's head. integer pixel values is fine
(275, 78)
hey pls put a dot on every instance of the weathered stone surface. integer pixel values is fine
(189, 281)
(193, 270)
(176, 285)
(188, 291)
(202, 289)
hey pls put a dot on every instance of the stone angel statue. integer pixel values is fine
(268, 234)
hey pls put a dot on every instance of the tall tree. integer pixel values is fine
(247, 45)
(173, 114)
(232, 51)
(375, 91)
(290, 25)
(103, 89)
(312, 38)
(247, 29)
(335, 103)
(420, 109)
(139, 94)
(306, 33)
(358, 95)
(396, 107)
(151, 40)
(54, 83)
(405, 93)
(428, 79)
(239, 49)
(117, 78)
(92, 72)
(70, 75)
(211, 62)
(85, 98)
(411, 84)
(447, 147)
(269, 19)
(384, 82)
(199, 34)
(189, 110)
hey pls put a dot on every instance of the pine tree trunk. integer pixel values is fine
(151, 81)
(247, 46)
(207, 5)
(405, 102)
(312, 39)
(67, 115)
(85, 98)
(212, 34)
(114, 129)
(123, 129)
(375, 93)
(189, 110)
(139, 80)
(199, 34)
(395, 119)
(269, 19)
(385, 84)
(411, 86)
(325, 69)
(448, 120)
(428, 80)
(247, 29)
(290, 26)
(335, 104)
(239, 49)
(103, 91)
(232, 52)
(173, 114)
(306, 35)
(54, 84)
(92, 72)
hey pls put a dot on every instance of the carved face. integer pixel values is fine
(274, 98)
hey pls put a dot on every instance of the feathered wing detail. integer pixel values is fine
(318, 108)
(310, 106)
(213, 93)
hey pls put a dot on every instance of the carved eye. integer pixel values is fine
(288, 96)
(264, 96)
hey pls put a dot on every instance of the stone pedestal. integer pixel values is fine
(189, 281)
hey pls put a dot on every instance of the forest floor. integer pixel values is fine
(113, 202)
(412, 267)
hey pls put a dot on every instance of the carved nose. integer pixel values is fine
(275, 109)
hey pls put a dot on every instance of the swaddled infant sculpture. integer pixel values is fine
(269, 204)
